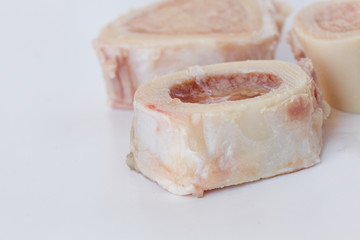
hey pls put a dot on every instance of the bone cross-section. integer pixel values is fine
(226, 124)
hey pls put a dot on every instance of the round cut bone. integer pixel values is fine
(175, 34)
(329, 34)
(226, 124)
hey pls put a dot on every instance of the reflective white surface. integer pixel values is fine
(62, 150)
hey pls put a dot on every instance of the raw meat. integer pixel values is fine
(175, 34)
(329, 34)
(226, 124)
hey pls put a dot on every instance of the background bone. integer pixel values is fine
(329, 34)
(173, 35)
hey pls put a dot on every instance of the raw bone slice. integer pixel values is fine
(329, 34)
(175, 34)
(226, 124)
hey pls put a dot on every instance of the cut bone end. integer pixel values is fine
(330, 20)
(192, 17)
(340, 17)
(183, 17)
(192, 132)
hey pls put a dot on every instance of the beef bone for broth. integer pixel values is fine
(174, 34)
(329, 34)
(226, 124)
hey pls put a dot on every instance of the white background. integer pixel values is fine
(62, 150)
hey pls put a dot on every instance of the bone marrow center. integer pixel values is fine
(339, 17)
(220, 88)
(192, 17)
